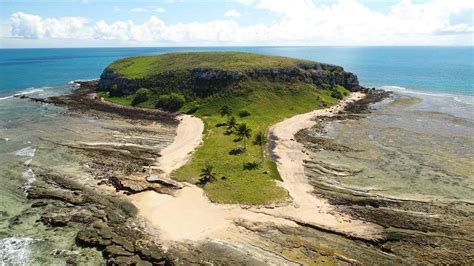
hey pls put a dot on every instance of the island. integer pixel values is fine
(211, 160)
(238, 96)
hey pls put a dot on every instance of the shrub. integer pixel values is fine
(251, 165)
(115, 91)
(141, 96)
(192, 108)
(170, 102)
(337, 95)
(244, 113)
(226, 110)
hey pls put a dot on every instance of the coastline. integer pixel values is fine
(290, 156)
(188, 215)
(181, 218)
(188, 137)
(402, 163)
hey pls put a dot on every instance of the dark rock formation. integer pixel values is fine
(137, 183)
(202, 82)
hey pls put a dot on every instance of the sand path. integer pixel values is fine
(289, 156)
(190, 216)
(187, 139)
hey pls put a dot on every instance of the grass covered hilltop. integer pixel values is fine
(238, 96)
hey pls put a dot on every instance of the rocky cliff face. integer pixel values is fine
(206, 81)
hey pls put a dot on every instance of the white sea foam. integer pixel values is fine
(30, 179)
(25, 92)
(465, 99)
(15, 250)
(26, 152)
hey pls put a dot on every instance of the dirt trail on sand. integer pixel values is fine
(189, 215)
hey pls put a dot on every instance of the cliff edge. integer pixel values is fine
(201, 74)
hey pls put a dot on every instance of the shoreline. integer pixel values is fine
(289, 155)
(190, 216)
(188, 137)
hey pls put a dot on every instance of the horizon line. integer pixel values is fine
(236, 46)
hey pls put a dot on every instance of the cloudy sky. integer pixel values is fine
(105, 23)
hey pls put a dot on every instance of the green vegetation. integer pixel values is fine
(147, 66)
(207, 175)
(246, 174)
(226, 110)
(248, 178)
(170, 102)
(244, 132)
(141, 96)
(244, 113)
(260, 140)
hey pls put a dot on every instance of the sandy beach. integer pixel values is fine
(188, 137)
(289, 156)
(190, 216)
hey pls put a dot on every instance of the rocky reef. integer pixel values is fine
(432, 231)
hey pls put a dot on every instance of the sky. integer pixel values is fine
(118, 23)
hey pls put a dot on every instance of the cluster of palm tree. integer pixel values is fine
(242, 130)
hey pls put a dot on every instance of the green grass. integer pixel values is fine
(127, 100)
(145, 66)
(268, 103)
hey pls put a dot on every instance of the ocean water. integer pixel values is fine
(438, 116)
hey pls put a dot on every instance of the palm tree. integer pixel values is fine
(244, 132)
(231, 123)
(226, 110)
(207, 175)
(260, 139)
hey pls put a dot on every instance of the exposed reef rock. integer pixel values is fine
(83, 100)
(104, 221)
(435, 232)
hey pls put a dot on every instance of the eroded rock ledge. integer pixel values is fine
(206, 81)
(436, 232)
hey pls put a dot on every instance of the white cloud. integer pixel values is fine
(232, 13)
(145, 10)
(345, 22)
(138, 10)
(34, 27)
(245, 2)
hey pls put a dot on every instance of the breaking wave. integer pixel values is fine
(26, 152)
(465, 99)
(15, 250)
(26, 92)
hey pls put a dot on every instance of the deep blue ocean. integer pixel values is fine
(447, 70)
